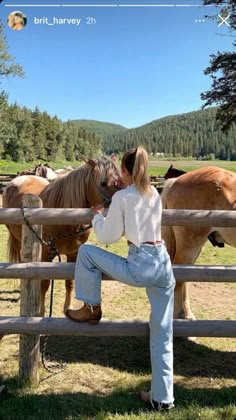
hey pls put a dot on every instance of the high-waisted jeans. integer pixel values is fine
(148, 266)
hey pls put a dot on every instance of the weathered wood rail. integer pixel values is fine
(30, 325)
(63, 326)
(4, 179)
(65, 271)
(44, 216)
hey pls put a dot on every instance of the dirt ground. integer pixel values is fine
(208, 300)
(214, 300)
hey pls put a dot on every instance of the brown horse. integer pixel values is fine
(207, 188)
(173, 172)
(92, 183)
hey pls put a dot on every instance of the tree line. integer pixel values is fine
(27, 135)
(195, 134)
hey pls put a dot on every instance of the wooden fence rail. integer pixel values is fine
(216, 218)
(65, 271)
(4, 179)
(63, 326)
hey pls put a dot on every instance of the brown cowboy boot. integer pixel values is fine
(88, 313)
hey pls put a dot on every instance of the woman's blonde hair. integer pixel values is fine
(11, 19)
(136, 162)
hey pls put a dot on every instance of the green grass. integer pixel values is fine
(159, 167)
(9, 167)
(156, 167)
(104, 374)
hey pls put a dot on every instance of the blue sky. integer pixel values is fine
(134, 65)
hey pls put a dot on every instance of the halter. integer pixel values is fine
(106, 199)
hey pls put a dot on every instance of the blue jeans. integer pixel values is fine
(147, 266)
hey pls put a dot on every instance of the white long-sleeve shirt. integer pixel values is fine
(136, 216)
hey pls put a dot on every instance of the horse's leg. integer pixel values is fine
(182, 307)
(69, 284)
(188, 247)
(44, 288)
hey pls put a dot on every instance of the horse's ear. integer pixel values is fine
(171, 166)
(89, 162)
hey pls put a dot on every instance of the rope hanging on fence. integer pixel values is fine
(52, 253)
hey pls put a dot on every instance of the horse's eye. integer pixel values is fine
(104, 184)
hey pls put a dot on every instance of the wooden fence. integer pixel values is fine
(4, 179)
(31, 270)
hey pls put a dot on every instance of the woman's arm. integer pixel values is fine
(110, 229)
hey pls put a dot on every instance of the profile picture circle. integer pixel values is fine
(16, 20)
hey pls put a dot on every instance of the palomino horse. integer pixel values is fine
(213, 237)
(92, 183)
(207, 188)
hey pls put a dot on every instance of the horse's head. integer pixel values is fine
(104, 180)
(41, 170)
(45, 171)
(168, 174)
(173, 172)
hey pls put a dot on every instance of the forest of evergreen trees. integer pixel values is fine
(195, 134)
(27, 135)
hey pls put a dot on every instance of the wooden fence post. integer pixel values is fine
(31, 250)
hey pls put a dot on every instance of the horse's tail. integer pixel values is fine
(168, 231)
(13, 253)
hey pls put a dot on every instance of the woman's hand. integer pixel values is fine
(98, 209)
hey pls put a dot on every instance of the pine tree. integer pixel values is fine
(222, 70)
(8, 67)
(39, 139)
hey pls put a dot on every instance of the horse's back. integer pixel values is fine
(21, 185)
(208, 174)
(204, 188)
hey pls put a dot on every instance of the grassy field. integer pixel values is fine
(104, 374)
(9, 167)
(156, 167)
(159, 167)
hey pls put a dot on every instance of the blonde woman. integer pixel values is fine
(16, 21)
(135, 212)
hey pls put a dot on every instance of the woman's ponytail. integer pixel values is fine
(136, 162)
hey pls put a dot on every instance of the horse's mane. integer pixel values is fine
(70, 190)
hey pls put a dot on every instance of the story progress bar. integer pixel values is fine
(107, 5)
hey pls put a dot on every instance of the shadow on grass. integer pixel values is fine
(27, 405)
(131, 354)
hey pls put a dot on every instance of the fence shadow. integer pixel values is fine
(132, 354)
(80, 405)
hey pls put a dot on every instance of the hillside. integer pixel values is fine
(103, 129)
(26, 136)
(194, 134)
